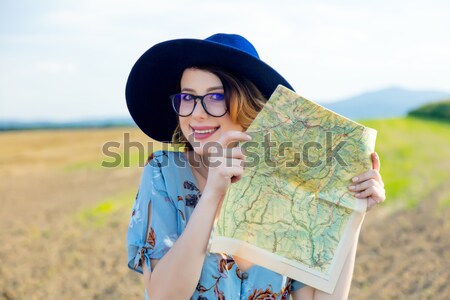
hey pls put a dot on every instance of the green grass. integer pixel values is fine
(106, 212)
(415, 157)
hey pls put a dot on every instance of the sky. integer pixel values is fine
(70, 60)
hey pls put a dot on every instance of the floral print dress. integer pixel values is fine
(169, 185)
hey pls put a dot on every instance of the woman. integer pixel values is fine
(216, 86)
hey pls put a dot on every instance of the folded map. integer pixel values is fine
(292, 212)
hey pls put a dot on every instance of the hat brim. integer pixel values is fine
(156, 73)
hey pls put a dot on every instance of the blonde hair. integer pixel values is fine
(244, 102)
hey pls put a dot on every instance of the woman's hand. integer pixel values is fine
(369, 185)
(226, 165)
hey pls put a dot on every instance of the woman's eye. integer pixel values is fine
(217, 96)
(186, 97)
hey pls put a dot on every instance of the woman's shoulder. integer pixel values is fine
(166, 158)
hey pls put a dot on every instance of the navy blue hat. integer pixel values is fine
(156, 74)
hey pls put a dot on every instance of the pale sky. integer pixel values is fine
(69, 60)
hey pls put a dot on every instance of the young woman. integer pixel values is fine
(205, 94)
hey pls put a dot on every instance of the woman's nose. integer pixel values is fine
(199, 111)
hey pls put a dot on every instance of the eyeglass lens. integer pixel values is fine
(214, 103)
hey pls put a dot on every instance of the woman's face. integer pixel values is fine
(200, 82)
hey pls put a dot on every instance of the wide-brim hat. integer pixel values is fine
(156, 74)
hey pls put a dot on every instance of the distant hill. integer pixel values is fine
(437, 110)
(389, 102)
(6, 125)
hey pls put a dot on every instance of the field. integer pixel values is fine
(64, 216)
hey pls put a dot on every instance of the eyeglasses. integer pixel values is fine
(214, 104)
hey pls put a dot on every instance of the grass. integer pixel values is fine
(415, 157)
(107, 211)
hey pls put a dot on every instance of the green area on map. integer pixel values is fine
(293, 199)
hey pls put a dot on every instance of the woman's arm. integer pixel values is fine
(176, 274)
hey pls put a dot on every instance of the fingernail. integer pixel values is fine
(352, 187)
(249, 137)
(357, 195)
(355, 179)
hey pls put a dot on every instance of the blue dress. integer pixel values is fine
(169, 184)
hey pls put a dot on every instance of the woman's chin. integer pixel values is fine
(200, 150)
(200, 147)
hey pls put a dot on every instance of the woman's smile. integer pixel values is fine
(203, 132)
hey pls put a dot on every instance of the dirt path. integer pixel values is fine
(405, 254)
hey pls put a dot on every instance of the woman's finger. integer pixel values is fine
(374, 192)
(371, 203)
(235, 173)
(235, 162)
(364, 185)
(370, 191)
(235, 152)
(376, 164)
(230, 138)
(372, 173)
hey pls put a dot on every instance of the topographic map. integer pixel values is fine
(291, 212)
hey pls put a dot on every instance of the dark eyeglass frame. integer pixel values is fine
(195, 97)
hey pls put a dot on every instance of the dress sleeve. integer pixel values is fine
(156, 240)
(296, 285)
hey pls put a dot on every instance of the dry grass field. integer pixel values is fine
(63, 222)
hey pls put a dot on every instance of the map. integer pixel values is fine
(292, 212)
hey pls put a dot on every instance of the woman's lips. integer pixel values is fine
(203, 132)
